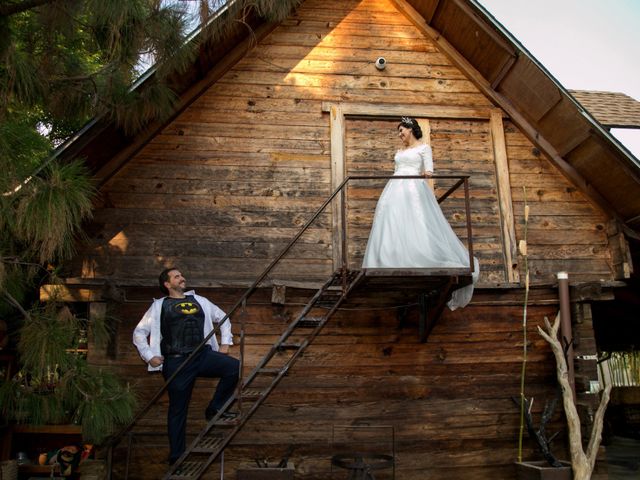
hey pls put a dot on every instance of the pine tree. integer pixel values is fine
(62, 63)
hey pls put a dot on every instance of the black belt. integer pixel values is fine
(179, 355)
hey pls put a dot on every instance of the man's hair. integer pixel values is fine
(164, 277)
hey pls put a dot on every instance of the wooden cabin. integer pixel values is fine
(272, 120)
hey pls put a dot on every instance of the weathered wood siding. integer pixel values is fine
(224, 187)
(460, 147)
(221, 190)
(565, 231)
(448, 402)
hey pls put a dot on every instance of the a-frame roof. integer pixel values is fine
(579, 146)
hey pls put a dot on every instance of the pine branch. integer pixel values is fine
(9, 9)
(16, 304)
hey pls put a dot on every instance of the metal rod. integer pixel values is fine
(343, 212)
(467, 209)
(566, 331)
(453, 188)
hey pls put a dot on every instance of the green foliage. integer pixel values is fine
(101, 329)
(51, 208)
(62, 63)
(56, 385)
(23, 148)
(44, 339)
(69, 58)
(100, 402)
(620, 369)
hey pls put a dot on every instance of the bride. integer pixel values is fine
(409, 229)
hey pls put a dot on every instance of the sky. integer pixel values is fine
(584, 44)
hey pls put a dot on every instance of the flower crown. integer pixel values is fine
(406, 121)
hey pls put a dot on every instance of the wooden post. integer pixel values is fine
(425, 126)
(97, 310)
(504, 196)
(337, 125)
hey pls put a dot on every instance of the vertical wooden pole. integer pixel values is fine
(504, 196)
(425, 126)
(97, 310)
(337, 125)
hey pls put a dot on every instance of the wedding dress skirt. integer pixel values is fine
(409, 229)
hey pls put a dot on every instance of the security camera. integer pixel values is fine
(381, 63)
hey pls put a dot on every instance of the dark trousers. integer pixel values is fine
(208, 364)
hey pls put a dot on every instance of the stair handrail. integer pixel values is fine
(463, 179)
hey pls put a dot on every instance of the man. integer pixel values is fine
(168, 332)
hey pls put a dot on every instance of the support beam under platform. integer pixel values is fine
(429, 287)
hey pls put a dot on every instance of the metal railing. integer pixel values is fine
(462, 180)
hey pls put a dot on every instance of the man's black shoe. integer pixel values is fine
(209, 414)
(178, 470)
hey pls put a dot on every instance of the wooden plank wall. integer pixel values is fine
(245, 166)
(565, 231)
(224, 187)
(448, 402)
(460, 147)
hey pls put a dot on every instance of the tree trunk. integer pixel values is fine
(582, 462)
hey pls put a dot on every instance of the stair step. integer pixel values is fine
(270, 371)
(227, 422)
(213, 440)
(252, 393)
(325, 304)
(188, 470)
(332, 292)
(309, 322)
(337, 279)
(209, 444)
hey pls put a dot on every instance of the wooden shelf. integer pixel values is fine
(30, 468)
(63, 429)
(44, 471)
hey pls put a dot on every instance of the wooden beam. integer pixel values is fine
(417, 111)
(620, 252)
(504, 196)
(69, 293)
(337, 123)
(487, 29)
(425, 126)
(497, 98)
(98, 313)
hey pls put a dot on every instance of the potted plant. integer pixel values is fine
(550, 468)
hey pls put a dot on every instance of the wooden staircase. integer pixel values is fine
(399, 286)
(254, 390)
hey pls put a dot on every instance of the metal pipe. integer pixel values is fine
(566, 332)
(467, 209)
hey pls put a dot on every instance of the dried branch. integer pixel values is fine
(582, 463)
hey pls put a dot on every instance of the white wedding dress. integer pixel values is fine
(409, 229)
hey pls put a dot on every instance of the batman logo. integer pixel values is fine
(187, 308)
